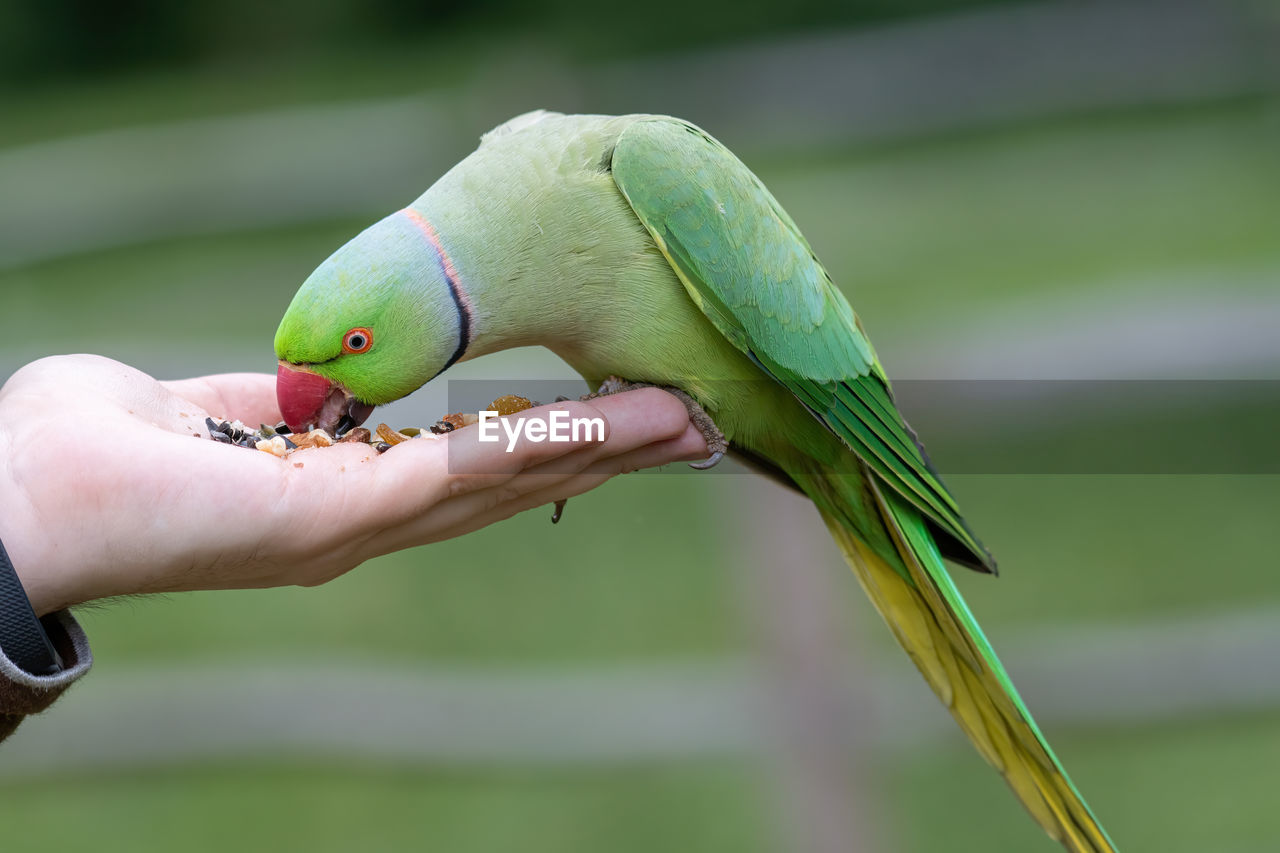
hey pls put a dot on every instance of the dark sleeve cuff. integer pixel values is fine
(22, 693)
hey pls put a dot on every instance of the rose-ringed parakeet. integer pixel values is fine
(640, 247)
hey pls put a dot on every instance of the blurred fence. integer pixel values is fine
(942, 75)
(1102, 675)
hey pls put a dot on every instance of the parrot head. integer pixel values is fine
(372, 324)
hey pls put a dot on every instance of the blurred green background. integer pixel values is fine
(1027, 191)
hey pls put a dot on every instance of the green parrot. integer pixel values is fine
(640, 247)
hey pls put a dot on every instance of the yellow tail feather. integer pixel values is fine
(954, 666)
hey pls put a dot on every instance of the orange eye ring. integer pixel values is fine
(357, 340)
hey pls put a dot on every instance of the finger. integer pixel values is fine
(247, 397)
(688, 446)
(630, 420)
(480, 508)
(350, 491)
(410, 478)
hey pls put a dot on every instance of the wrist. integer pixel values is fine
(23, 538)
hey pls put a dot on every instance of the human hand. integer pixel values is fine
(104, 491)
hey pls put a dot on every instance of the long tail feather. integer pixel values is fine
(934, 626)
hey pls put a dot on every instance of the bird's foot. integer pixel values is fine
(716, 442)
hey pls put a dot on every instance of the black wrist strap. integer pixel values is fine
(22, 637)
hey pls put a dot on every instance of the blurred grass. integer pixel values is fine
(1076, 549)
(319, 808)
(60, 107)
(940, 799)
(950, 226)
(230, 288)
(1198, 786)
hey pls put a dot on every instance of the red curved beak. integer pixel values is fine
(301, 395)
(309, 401)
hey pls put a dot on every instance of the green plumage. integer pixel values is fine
(747, 266)
(638, 246)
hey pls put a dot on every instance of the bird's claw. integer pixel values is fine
(710, 462)
(716, 442)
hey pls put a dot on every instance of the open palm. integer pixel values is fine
(110, 485)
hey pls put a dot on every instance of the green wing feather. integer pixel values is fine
(745, 264)
(752, 273)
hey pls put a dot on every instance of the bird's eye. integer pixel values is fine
(357, 340)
